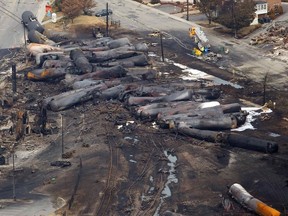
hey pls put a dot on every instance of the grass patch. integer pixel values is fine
(80, 22)
(247, 30)
(241, 33)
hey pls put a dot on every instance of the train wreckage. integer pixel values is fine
(106, 68)
(115, 69)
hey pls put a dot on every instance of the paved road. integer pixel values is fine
(40, 206)
(11, 29)
(242, 59)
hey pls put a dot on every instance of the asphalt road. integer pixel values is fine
(243, 59)
(11, 29)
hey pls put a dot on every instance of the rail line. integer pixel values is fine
(106, 198)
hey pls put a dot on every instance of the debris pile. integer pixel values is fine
(275, 38)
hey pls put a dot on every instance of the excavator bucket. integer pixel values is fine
(197, 52)
(192, 32)
(200, 39)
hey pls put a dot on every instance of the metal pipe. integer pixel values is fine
(25, 42)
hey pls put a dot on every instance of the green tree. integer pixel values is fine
(71, 8)
(236, 14)
(209, 8)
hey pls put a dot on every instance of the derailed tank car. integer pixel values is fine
(31, 23)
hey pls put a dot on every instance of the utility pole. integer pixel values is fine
(161, 43)
(62, 135)
(107, 20)
(187, 18)
(264, 88)
(234, 18)
(14, 192)
(14, 84)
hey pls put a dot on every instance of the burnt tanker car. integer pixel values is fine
(31, 23)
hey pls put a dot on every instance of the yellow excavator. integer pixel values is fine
(200, 40)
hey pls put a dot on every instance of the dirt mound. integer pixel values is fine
(79, 27)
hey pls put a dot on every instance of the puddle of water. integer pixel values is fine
(132, 161)
(209, 104)
(151, 190)
(127, 123)
(194, 74)
(155, 125)
(152, 54)
(254, 112)
(166, 192)
(133, 140)
(274, 134)
(232, 159)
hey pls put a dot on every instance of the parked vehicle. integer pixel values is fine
(103, 13)
(264, 20)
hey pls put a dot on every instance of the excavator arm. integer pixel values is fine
(200, 39)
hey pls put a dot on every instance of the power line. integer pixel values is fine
(10, 14)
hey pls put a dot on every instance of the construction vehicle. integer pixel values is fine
(200, 40)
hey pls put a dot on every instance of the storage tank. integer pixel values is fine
(31, 22)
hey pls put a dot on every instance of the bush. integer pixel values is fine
(155, 1)
(280, 10)
(247, 30)
(271, 14)
(240, 33)
(57, 5)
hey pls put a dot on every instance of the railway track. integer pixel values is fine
(110, 187)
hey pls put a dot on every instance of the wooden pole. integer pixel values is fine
(62, 135)
(107, 20)
(161, 43)
(264, 88)
(187, 18)
(234, 18)
(14, 85)
(14, 192)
